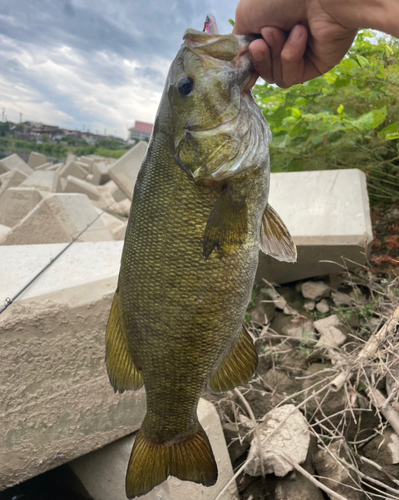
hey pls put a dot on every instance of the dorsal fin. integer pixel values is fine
(275, 239)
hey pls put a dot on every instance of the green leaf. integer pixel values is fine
(231, 22)
(393, 128)
(391, 137)
(340, 109)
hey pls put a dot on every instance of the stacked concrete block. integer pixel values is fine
(124, 171)
(36, 159)
(88, 161)
(74, 185)
(103, 472)
(116, 193)
(17, 203)
(72, 168)
(58, 219)
(44, 180)
(70, 157)
(57, 167)
(115, 226)
(13, 178)
(328, 216)
(13, 162)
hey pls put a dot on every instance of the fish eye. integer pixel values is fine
(185, 85)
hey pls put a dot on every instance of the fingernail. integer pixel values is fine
(268, 36)
(296, 34)
(257, 55)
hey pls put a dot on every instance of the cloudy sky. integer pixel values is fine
(97, 64)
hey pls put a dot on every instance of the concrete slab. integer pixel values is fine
(16, 203)
(90, 261)
(74, 185)
(116, 193)
(13, 178)
(36, 159)
(328, 215)
(57, 167)
(58, 219)
(103, 472)
(113, 224)
(119, 233)
(88, 161)
(72, 168)
(124, 171)
(45, 180)
(12, 162)
(56, 401)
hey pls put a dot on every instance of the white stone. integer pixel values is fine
(74, 185)
(323, 325)
(90, 261)
(309, 306)
(323, 306)
(328, 215)
(16, 203)
(303, 332)
(5, 230)
(291, 438)
(45, 180)
(315, 290)
(36, 159)
(13, 162)
(72, 168)
(331, 338)
(103, 472)
(58, 219)
(124, 171)
(57, 403)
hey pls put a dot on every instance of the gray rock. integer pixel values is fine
(263, 311)
(323, 306)
(315, 290)
(323, 325)
(238, 440)
(341, 299)
(332, 338)
(336, 476)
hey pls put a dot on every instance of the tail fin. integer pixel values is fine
(190, 459)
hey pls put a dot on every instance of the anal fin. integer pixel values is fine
(275, 239)
(227, 225)
(238, 366)
(121, 369)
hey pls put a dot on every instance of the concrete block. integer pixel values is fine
(124, 171)
(72, 168)
(45, 180)
(328, 215)
(85, 166)
(89, 178)
(88, 161)
(13, 162)
(116, 193)
(91, 261)
(74, 185)
(36, 159)
(4, 230)
(17, 203)
(100, 173)
(56, 401)
(58, 219)
(103, 472)
(114, 225)
(45, 166)
(70, 157)
(119, 233)
(57, 167)
(13, 178)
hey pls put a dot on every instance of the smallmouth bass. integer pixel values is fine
(198, 217)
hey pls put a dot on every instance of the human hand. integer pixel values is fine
(301, 39)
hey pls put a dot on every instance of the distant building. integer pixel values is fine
(140, 131)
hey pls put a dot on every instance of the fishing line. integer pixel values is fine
(8, 301)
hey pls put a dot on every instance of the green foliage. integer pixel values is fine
(347, 118)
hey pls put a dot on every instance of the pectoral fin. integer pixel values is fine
(238, 367)
(275, 240)
(227, 224)
(122, 372)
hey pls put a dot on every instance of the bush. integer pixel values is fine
(347, 118)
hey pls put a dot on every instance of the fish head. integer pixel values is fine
(213, 115)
